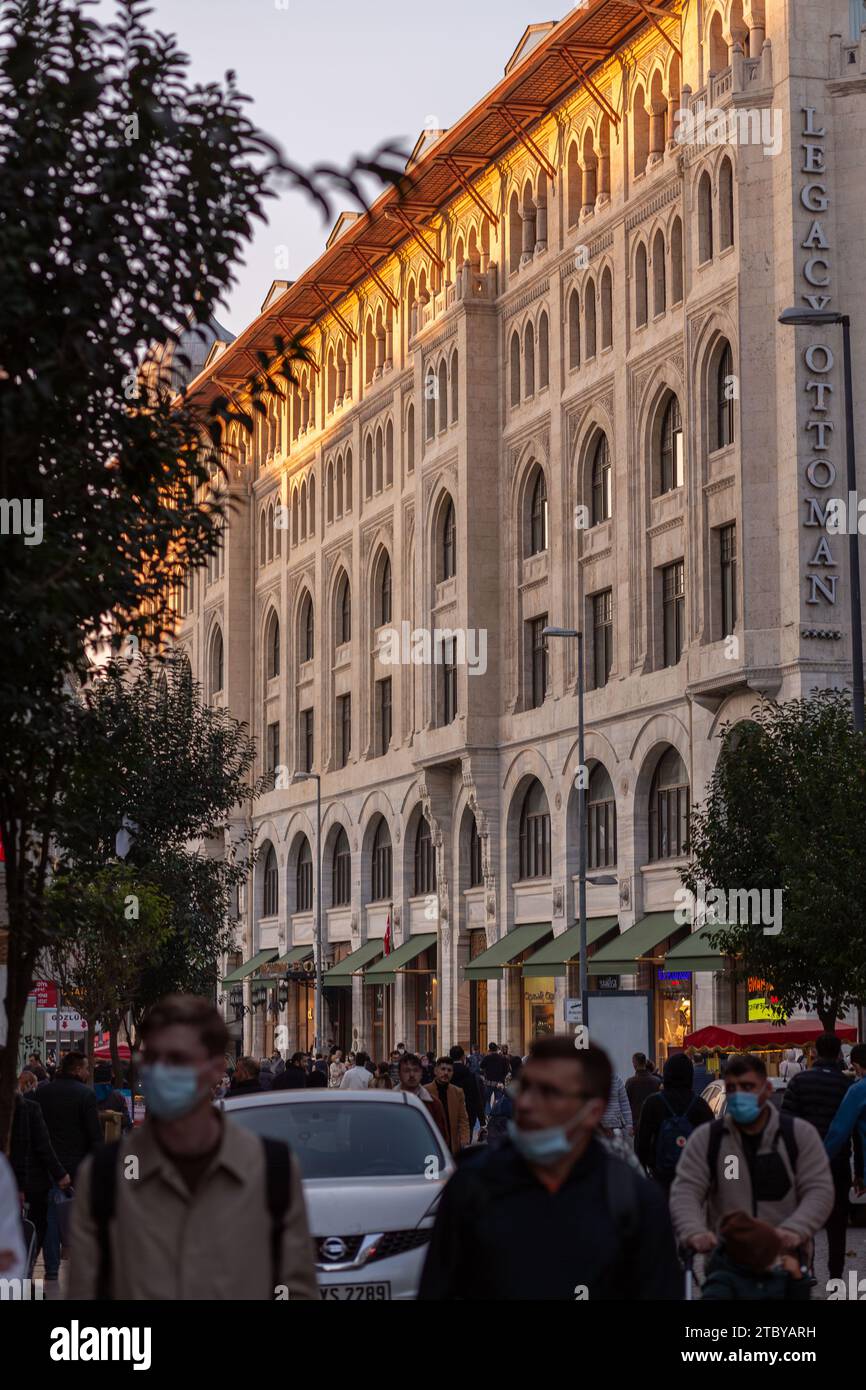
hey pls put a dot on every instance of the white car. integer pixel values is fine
(374, 1165)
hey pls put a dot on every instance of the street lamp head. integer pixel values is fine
(603, 880)
(301, 777)
(812, 318)
(561, 632)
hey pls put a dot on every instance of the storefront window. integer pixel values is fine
(673, 1010)
(539, 1013)
(477, 994)
(426, 991)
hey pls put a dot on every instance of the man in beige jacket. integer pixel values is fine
(190, 1205)
(773, 1170)
(453, 1103)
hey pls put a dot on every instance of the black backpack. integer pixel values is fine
(671, 1139)
(103, 1192)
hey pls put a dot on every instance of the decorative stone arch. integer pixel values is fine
(305, 591)
(528, 766)
(441, 494)
(717, 328)
(598, 752)
(376, 805)
(336, 819)
(712, 11)
(411, 822)
(596, 422)
(660, 732)
(270, 614)
(267, 837)
(522, 490)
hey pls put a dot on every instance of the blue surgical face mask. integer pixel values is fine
(541, 1146)
(170, 1092)
(743, 1108)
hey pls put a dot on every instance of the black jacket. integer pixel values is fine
(69, 1110)
(639, 1088)
(494, 1067)
(244, 1088)
(655, 1112)
(33, 1160)
(468, 1084)
(815, 1095)
(500, 1234)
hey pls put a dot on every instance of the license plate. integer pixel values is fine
(356, 1293)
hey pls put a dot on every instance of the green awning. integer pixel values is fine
(270, 972)
(695, 953)
(384, 972)
(488, 966)
(341, 974)
(248, 966)
(619, 956)
(296, 955)
(553, 958)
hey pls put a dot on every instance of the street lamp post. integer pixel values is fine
(581, 810)
(319, 1043)
(822, 318)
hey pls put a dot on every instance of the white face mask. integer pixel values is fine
(541, 1146)
(170, 1092)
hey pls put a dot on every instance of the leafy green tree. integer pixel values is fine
(786, 810)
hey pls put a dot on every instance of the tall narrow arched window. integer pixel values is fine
(270, 885)
(425, 861)
(295, 517)
(385, 591)
(718, 49)
(340, 486)
(380, 866)
(601, 482)
(344, 611)
(515, 368)
(348, 493)
(368, 466)
(455, 386)
(725, 399)
(606, 309)
(515, 234)
(575, 185)
(216, 662)
(263, 537)
(448, 551)
(430, 394)
(574, 329)
(389, 454)
(476, 867)
(640, 132)
(308, 632)
(543, 352)
(726, 204)
(641, 293)
(443, 395)
(380, 460)
(671, 467)
(528, 361)
(535, 834)
(329, 493)
(538, 518)
(272, 647)
(677, 261)
(311, 531)
(304, 878)
(669, 808)
(705, 219)
(410, 439)
(302, 508)
(600, 820)
(659, 275)
(589, 317)
(341, 871)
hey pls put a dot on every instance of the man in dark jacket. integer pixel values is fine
(470, 1087)
(703, 1076)
(675, 1099)
(549, 1214)
(815, 1095)
(640, 1087)
(72, 1119)
(246, 1081)
(33, 1160)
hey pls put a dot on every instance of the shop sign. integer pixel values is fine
(574, 1011)
(608, 981)
(672, 977)
(70, 1021)
(46, 994)
(763, 1001)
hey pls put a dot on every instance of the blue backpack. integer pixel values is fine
(672, 1138)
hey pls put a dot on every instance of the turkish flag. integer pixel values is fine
(388, 936)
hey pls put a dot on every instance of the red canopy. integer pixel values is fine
(103, 1053)
(739, 1035)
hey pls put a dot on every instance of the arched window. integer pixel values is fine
(455, 386)
(270, 885)
(538, 518)
(448, 551)
(385, 591)
(671, 466)
(515, 368)
(677, 262)
(659, 277)
(263, 537)
(726, 204)
(216, 662)
(304, 878)
(425, 861)
(535, 834)
(389, 454)
(329, 493)
(443, 395)
(641, 295)
(574, 329)
(601, 482)
(575, 185)
(718, 54)
(515, 234)
(295, 517)
(669, 808)
(543, 353)
(410, 439)
(528, 361)
(380, 460)
(307, 630)
(368, 466)
(348, 492)
(705, 219)
(589, 316)
(312, 527)
(381, 863)
(344, 611)
(600, 820)
(270, 533)
(725, 399)
(606, 309)
(640, 131)
(302, 508)
(341, 872)
(369, 351)
(476, 874)
(272, 648)
(430, 392)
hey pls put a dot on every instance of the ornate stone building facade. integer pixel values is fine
(549, 386)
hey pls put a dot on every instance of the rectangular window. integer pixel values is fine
(448, 681)
(538, 669)
(273, 752)
(383, 714)
(728, 577)
(673, 611)
(602, 637)
(306, 740)
(344, 729)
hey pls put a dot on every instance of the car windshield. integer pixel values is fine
(348, 1139)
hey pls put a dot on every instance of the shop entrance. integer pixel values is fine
(539, 1012)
